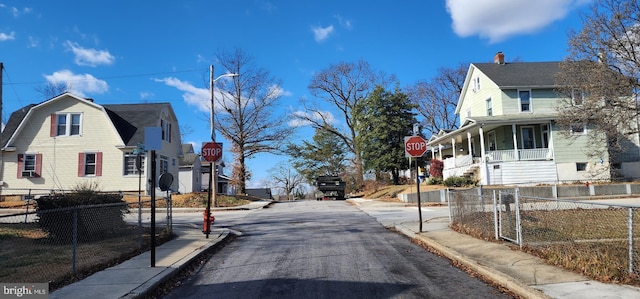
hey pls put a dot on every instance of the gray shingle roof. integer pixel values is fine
(14, 121)
(521, 74)
(131, 119)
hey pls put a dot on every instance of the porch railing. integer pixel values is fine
(502, 155)
(523, 154)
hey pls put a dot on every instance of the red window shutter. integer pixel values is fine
(99, 164)
(38, 165)
(20, 165)
(80, 164)
(52, 128)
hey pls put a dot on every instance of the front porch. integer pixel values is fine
(498, 153)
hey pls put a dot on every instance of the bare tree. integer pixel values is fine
(247, 114)
(436, 99)
(52, 89)
(600, 78)
(342, 86)
(287, 179)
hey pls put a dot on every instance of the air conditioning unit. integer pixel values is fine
(28, 174)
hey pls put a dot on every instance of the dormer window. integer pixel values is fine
(524, 97)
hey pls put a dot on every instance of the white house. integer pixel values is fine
(69, 141)
(190, 176)
(508, 133)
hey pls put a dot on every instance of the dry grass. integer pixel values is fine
(593, 242)
(28, 255)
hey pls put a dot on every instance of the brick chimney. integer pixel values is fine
(499, 58)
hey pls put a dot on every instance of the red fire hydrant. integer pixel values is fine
(208, 220)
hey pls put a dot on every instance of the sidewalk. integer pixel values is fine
(135, 277)
(523, 274)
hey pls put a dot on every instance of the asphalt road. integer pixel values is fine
(324, 249)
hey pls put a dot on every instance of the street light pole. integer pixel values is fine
(213, 176)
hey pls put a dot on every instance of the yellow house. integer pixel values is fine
(70, 141)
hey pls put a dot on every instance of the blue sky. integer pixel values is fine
(160, 51)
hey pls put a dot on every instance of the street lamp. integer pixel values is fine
(213, 175)
(211, 87)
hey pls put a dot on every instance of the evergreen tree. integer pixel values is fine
(383, 119)
(324, 155)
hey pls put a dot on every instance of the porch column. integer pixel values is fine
(440, 151)
(433, 153)
(515, 142)
(453, 148)
(469, 144)
(550, 145)
(482, 151)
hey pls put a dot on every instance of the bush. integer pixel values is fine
(456, 181)
(96, 215)
(434, 181)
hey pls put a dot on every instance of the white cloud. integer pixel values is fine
(498, 20)
(320, 33)
(198, 97)
(298, 119)
(276, 91)
(89, 57)
(5, 37)
(79, 84)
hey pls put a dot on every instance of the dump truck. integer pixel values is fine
(330, 187)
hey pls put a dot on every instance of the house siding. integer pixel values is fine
(522, 172)
(60, 154)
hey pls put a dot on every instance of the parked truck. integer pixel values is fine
(330, 187)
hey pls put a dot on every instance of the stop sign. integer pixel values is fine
(415, 146)
(212, 151)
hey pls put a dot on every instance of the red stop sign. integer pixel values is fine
(212, 151)
(415, 146)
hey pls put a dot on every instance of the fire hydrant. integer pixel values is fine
(208, 220)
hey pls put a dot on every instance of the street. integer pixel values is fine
(322, 249)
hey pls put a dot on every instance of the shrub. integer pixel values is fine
(434, 181)
(436, 168)
(456, 181)
(96, 215)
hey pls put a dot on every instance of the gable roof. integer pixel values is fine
(128, 119)
(521, 74)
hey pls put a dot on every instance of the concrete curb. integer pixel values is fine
(169, 272)
(495, 276)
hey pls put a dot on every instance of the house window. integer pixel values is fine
(29, 165)
(166, 130)
(581, 166)
(524, 97)
(67, 124)
(476, 84)
(577, 97)
(164, 164)
(90, 164)
(130, 164)
(489, 107)
(578, 129)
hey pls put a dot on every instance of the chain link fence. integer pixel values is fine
(599, 239)
(61, 245)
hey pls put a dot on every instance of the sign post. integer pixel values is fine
(416, 146)
(211, 152)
